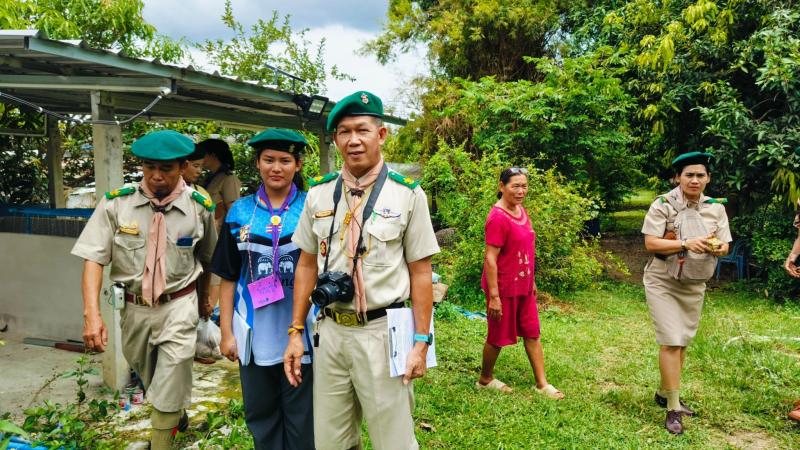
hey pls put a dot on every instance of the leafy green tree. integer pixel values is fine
(271, 43)
(709, 75)
(472, 38)
(107, 24)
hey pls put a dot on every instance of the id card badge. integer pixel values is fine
(265, 291)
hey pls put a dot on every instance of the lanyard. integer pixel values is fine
(275, 221)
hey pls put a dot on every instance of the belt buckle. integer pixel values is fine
(347, 318)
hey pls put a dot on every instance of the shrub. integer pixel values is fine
(464, 189)
(771, 237)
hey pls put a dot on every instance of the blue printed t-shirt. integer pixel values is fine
(244, 256)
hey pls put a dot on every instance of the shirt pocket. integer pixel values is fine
(128, 254)
(322, 228)
(383, 242)
(180, 258)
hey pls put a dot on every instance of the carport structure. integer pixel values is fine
(72, 79)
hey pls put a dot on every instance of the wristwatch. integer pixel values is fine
(426, 338)
(683, 245)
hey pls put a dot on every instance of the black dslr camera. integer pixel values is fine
(332, 287)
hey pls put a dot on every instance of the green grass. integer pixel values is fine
(628, 220)
(601, 353)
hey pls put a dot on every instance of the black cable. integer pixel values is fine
(65, 118)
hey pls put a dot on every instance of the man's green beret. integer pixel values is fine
(163, 145)
(278, 139)
(687, 159)
(361, 103)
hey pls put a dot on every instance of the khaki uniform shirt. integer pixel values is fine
(117, 234)
(398, 232)
(661, 218)
(224, 188)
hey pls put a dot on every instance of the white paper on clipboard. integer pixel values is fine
(401, 340)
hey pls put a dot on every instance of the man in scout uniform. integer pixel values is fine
(157, 236)
(388, 257)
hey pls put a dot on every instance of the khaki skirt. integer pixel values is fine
(674, 306)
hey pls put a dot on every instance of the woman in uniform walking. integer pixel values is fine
(674, 294)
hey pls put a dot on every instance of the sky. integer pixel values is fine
(345, 24)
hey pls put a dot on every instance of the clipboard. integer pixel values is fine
(243, 335)
(400, 322)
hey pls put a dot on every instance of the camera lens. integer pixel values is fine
(324, 294)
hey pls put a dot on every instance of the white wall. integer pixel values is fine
(40, 286)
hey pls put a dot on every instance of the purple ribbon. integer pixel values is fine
(275, 230)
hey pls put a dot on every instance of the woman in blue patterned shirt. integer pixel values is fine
(256, 259)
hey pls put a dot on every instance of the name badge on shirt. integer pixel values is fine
(265, 291)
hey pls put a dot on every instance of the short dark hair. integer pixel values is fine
(220, 149)
(507, 174)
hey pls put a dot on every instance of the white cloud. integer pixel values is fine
(343, 39)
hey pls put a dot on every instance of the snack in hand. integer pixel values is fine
(714, 243)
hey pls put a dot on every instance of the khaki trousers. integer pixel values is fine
(351, 379)
(159, 344)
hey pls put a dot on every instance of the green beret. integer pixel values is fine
(163, 145)
(361, 103)
(687, 159)
(278, 139)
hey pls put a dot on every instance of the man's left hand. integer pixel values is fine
(416, 366)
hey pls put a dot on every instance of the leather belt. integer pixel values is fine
(351, 319)
(660, 256)
(137, 299)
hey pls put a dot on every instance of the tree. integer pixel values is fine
(271, 43)
(472, 38)
(720, 76)
(107, 24)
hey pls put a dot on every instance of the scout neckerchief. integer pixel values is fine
(154, 280)
(269, 289)
(353, 227)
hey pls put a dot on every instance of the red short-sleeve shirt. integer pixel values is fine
(517, 259)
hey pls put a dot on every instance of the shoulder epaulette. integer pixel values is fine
(404, 180)
(203, 200)
(120, 192)
(663, 199)
(721, 201)
(322, 179)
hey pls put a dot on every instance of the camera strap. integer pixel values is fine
(373, 198)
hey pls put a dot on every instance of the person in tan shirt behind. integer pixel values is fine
(224, 188)
(158, 236)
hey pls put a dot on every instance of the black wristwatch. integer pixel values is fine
(426, 338)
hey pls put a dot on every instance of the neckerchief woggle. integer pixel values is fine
(269, 289)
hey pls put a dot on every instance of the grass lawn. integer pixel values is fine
(600, 351)
(628, 220)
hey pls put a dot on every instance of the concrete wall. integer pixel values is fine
(40, 286)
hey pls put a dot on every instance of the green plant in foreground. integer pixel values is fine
(74, 424)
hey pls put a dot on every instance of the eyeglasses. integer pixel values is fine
(517, 170)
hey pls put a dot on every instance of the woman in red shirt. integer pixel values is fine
(509, 284)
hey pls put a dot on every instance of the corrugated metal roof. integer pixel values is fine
(48, 70)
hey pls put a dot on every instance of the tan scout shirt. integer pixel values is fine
(661, 218)
(224, 188)
(399, 232)
(117, 234)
